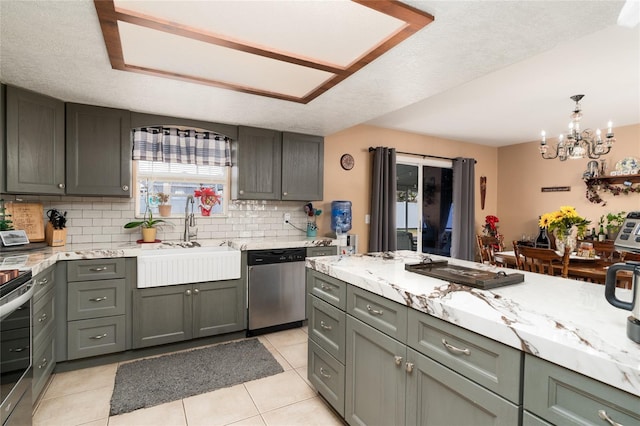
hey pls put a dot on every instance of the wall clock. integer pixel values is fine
(346, 161)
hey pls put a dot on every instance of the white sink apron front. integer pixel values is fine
(164, 267)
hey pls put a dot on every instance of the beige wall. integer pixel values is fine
(355, 185)
(522, 172)
(514, 174)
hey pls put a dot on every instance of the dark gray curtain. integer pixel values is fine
(383, 201)
(463, 232)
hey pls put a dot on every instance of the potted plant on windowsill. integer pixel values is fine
(164, 208)
(147, 225)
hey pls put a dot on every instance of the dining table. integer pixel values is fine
(592, 269)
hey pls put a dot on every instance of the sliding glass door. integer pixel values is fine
(424, 205)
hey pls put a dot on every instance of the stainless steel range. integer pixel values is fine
(16, 291)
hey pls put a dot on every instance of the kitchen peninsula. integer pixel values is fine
(534, 337)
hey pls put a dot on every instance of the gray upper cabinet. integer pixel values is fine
(35, 143)
(256, 171)
(98, 151)
(3, 145)
(270, 165)
(302, 167)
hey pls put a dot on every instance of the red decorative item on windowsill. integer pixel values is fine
(208, 198)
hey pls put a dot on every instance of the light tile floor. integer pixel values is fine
(82, 397)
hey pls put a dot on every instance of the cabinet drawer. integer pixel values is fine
(43, 320)
(561, 396)
(95, 269)
(327, 376)
(327, 327)
(43, 282)
(529, 419)
(383, 314)
(487, 362)
(98, 336)
(43, 364)
(322, 251)
(95, 299)
(327, 288)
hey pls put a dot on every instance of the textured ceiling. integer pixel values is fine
(491, 72)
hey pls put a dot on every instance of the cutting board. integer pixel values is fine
(28, 217)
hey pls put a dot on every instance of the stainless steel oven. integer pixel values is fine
(16, 291)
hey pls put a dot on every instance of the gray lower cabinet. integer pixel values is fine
(322, 251)
(98, 151)
(375, 378)
(182, 312)
(94, 307)
(35, 143)
(563, 397)
(378, 362)
(43, 331)
(529, 419)
(437, 395)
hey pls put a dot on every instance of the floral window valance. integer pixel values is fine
(173, 145)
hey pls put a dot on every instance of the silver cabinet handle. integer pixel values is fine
(455, 350)
(98, 269)
(98, 299)
(325, 326)
(196, 291)
(99, 336)
(44, 363)
(325, 287)
(323, 374)
(604, 416)
(241, 192)
(285, 193)
(19, 349)
(43, 317)
(373, 311)
(61, 185)
(188, 292)
(409, 367)
(125, 187)
(43, 281)
(397, 359)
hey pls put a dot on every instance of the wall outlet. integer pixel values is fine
(367, 219)
(287, 217)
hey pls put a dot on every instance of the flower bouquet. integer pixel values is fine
(208, 198)
(561, 223)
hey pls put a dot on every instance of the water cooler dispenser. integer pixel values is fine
(341, 225)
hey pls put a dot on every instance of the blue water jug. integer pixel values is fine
(341, 216)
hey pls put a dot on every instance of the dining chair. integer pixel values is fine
(516, 253)
(487, 246)
(605, 250)
(542, 260)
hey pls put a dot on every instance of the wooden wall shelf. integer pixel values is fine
(613, 184)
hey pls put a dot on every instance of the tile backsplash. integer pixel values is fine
(93, 220)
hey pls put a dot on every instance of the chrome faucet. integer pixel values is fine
(189, 220)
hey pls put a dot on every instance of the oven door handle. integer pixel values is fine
(11, 306)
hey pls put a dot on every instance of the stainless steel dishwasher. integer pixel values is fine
(276, 283)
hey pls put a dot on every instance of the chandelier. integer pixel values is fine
(578, 144)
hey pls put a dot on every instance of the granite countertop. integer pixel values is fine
(564, 321)
(39, 259)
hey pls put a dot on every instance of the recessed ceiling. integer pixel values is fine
(487, 72)
(288, 50)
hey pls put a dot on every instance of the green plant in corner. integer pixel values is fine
(5, 224)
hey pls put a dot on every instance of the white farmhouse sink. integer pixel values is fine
(171, 266)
